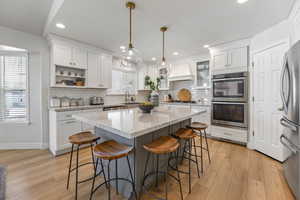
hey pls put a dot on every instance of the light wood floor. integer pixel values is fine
(235, 173)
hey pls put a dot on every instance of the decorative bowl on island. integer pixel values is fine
(146, 107)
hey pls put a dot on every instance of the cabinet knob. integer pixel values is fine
(70, 63)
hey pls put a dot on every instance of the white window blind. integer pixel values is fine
(13, 86)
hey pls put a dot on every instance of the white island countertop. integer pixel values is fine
(131, 123)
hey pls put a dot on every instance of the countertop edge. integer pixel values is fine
(136, 134)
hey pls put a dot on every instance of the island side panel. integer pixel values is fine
(123, 170)
(138, 157)
(141, 154)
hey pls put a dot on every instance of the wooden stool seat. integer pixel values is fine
(198, 126)
(111, 150)
(83, 138)
(162, 145)
(185, 134)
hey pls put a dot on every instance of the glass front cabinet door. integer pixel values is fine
(203, 74)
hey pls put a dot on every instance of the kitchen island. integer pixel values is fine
(134, 128)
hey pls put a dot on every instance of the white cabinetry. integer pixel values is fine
(76, 65)
(63, 125)
(107, 70)
(62, 55)
(69, 56)
(99, 70)
(238, 135)
(235, 59)
(95, 72)
(220, 60)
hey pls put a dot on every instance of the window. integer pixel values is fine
(123, 81)
(13, 85)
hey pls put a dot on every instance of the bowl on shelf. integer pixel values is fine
(146, 107)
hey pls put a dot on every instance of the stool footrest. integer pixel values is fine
(174, 168)
(91, 178)
(108, 182)
(88, 163)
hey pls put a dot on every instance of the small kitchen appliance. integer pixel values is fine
(96, 100)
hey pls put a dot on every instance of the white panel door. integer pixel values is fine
(266, 78)
(94, 70)
(220, 61)
(79, 58)
(66, 129)
(62, 55)
(238, 57)
(107, 70)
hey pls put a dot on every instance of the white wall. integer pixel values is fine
(272, 35)
(35, 134)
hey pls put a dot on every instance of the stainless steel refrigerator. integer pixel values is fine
(290, 95)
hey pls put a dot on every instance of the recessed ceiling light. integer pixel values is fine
(122, 47)
(242, 1)
(175, 53)
(206, 46)
(154, 59)
(60, 25)
(123, 50)
(128, 57)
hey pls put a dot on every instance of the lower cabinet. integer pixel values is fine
(233, 134)
(63, 125)
(66, 129)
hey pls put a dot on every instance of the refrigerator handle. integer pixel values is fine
(288, 124)
(284, 70)
(288, 144)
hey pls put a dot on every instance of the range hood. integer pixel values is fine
(180, 72)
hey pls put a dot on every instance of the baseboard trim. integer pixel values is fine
(10, 146)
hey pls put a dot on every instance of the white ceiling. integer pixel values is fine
(25, 15)
(191, 23)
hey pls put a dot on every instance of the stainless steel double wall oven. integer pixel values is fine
(230, 100)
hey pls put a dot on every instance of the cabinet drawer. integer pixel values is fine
(63, 116)
(66, 129)
(237, 135)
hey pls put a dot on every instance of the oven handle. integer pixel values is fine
(228, 79)
(220, 102)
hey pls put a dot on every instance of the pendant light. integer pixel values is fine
(163, 30)
(131, 6)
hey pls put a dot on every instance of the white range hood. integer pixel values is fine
(180, 72)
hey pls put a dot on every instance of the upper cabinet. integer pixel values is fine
(230, 57)
(99, 70)
(69, 56)
(77, 65)
(220, 60)
(107, 70)
(202, 74)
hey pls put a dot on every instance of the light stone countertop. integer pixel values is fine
(131, 123)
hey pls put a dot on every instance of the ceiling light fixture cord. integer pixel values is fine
(163, 45)
(130, 28)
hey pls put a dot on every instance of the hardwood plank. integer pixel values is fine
(236, 173)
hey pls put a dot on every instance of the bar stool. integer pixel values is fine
(188, 136)
(111, 150)
(162, 146)
(200, 128)
(79, 139)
